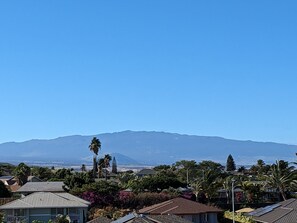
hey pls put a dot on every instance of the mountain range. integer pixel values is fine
(145, 148)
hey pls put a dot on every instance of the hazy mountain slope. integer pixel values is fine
(146, 147)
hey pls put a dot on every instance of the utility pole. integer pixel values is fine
(233, 200)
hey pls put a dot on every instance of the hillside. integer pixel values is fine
(145, 148)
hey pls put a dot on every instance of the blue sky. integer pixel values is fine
(219, 68)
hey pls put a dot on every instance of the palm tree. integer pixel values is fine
(107, 159)
(100, 167)
(83, 168)
(282, 177)
(95, 146)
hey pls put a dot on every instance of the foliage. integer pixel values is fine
(83, 168)
(95, 146)
(130, 200)
(61, 174)
(162, 167)
(77, 180)
(22, 171)
(253, 191)
(230, 165)
(104, 163)
(103, 187)
(1, 217)
(155, 183)
(283, 177)
(186, 170)
(114, 166)
(42, 173)
(62, 219)
(238, 217)
(125, 177)
(6, 169)
(4, 192)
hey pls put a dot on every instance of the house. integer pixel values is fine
(283, 212)
(43, 206)
(135, 218)
(10, 183)
(33, 179)
(31, 187)
(187, 209)
(145, 172)
(7, 180)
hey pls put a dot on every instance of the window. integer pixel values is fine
(19, 212)
(73, 211)
(60, 211)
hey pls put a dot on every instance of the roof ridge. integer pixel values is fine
(163, 204)
(170, 209)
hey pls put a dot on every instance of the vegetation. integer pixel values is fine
(95, 146)
(238, 217)
(22, 171)
(205, 181)
(230, 166)
(114, 166)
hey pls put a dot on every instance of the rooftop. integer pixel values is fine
(42, 187)
(135, 218)
(179, 206)
(46, 200)
(283, 212)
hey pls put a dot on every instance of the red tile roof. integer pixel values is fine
(179, 206)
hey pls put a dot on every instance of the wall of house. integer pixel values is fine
(45, 214)
(213, 218)
(202, 218)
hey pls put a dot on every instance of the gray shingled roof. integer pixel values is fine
(42, 187)
(283, 212)
(46, 200)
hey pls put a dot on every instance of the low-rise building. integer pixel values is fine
(187, 209)
(43, 206)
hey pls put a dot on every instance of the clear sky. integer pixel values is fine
(203, 67)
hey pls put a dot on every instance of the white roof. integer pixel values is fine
(54, 186)
(47, 200)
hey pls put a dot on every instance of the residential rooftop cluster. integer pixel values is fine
(186, 191)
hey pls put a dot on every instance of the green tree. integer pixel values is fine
(209, 177)
(107, 159)
(100, 167)
(283, 177)
(61, 174)
(22, 171)
(114, 166)
(42, 173)
(77, 180)
(83, 168)
(230, 165)
(95, 146)
(186, 170)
